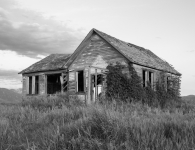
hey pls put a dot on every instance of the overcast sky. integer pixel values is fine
(32, 29)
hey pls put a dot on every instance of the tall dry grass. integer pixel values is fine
(109, 126)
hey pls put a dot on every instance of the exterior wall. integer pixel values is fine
(97, 53)
(157, 73)
(42, 84)
(24, 83)
(139, 70)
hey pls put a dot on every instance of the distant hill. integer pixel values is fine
(9, 96)
(189, 97)
(17, 90)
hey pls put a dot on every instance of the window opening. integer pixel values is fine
(36, 84)
(30, 85)
(53, 83)
(144, 78)
(151, 78)
(80, 81)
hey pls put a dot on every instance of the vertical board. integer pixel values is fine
(45, 83)
(41, 84)
(27, 85)
(89, 87)
(76, 80)
(152, 80)
(71, 82)
(24, 85)
(33, 84)
(146, 78)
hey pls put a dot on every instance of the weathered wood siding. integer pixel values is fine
(24, 85)
(97, 53)
(139, 69)
(42, 84)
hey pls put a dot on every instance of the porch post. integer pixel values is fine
(62, 82)
(33, 84)
(89, 87)
(96, 94)
(146, 78)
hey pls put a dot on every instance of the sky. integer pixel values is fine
(32, 29)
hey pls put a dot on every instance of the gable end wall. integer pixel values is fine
(97, 53)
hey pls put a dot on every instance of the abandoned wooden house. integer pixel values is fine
(82, 72)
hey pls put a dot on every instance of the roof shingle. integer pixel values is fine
(133, 53)
(51, 62)
(138, 54)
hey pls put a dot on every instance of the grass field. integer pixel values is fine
(56, 124)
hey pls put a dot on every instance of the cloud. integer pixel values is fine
(10, 60)
(29, 33)
(9, 74)
(10, 79)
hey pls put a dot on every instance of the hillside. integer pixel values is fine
(189, 97)
(9, 96)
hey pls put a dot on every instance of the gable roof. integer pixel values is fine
(131, 52)
(51, 62)
(138, 55)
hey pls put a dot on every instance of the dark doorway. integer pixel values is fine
(53, 84)
(80, 81)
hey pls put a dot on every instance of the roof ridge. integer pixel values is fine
(150, 59)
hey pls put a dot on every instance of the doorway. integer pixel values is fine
(53, 84)
(96, 86)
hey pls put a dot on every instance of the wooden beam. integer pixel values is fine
(27, 85)
(33, 84)
(96, 94)
(146, 78)
(89, 87)
(45, 72)
(62, 82)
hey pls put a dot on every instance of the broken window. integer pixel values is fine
(53, 83)
(80, 81)
(30, 85)
(144, 76)
(148, 78)
(36, 84)
(151, 79)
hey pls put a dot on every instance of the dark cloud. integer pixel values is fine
(35, 34)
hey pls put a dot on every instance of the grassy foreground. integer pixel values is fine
(59, 125)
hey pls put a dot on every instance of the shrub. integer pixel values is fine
(127, 87)
(123, 86)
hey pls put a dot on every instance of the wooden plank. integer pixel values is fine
(46, 72)
(24, 85)
(27, 85)
(89, 87)
(42, 84)
(146, 78)
(76, 80)
(96, 85)
(61, 81)
(71, 76)
(33, 84)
